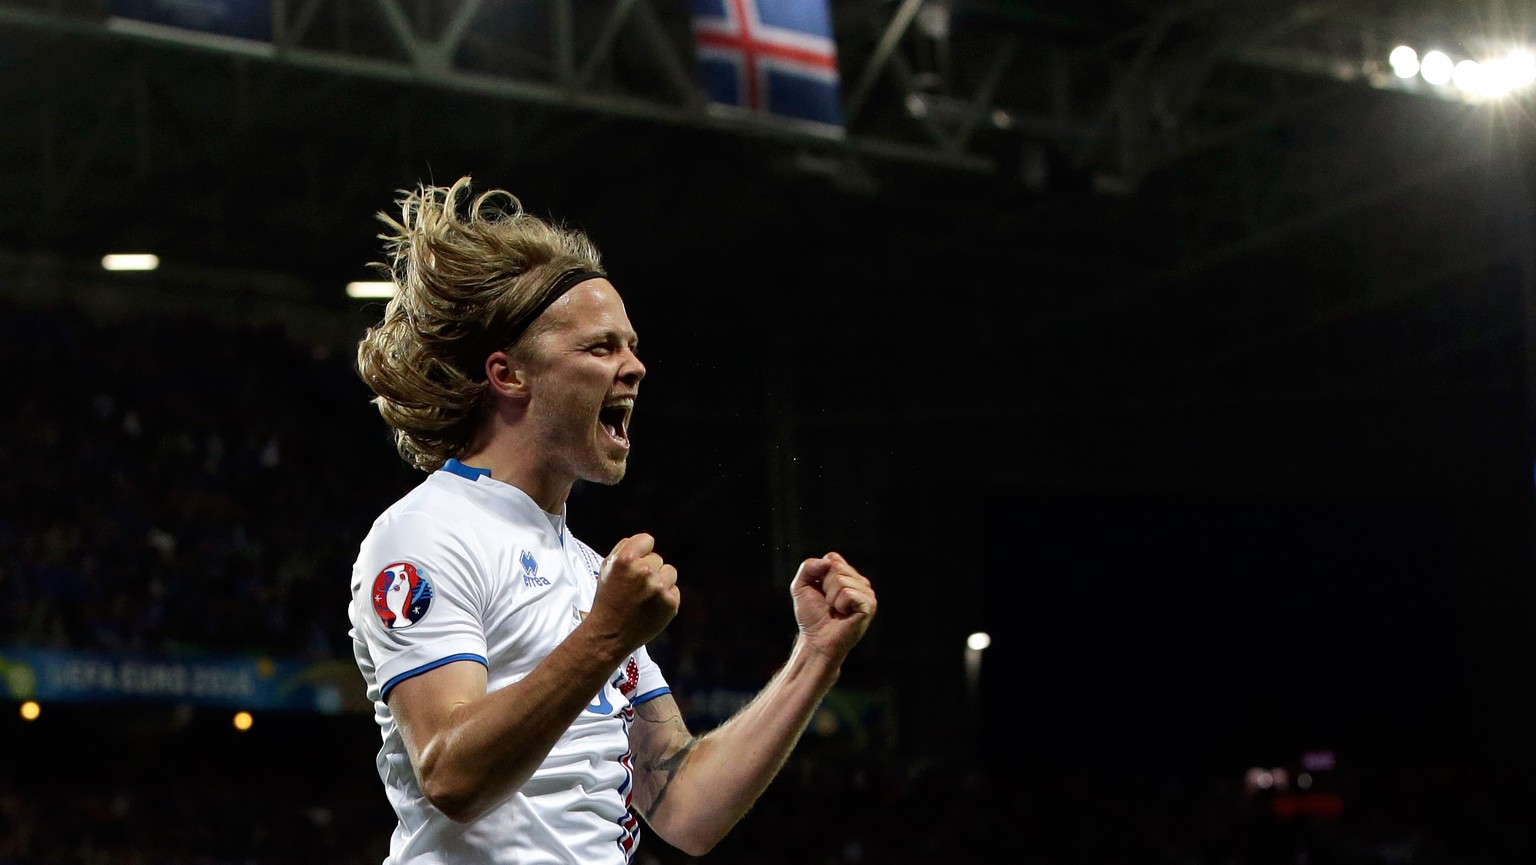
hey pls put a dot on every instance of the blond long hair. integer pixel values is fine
(464, 283)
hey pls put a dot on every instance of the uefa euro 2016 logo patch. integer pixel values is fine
(401, 595)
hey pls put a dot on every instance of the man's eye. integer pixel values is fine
(600, 350)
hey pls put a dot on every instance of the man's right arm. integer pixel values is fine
(470, 749)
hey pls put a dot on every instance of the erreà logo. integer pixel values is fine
(531, 570)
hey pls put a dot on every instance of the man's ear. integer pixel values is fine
(507, 375)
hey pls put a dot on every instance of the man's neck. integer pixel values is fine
(515, 466)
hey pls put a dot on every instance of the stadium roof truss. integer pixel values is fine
(1126, 88)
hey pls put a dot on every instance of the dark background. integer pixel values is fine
(1206, 392)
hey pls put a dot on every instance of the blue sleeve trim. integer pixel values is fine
(411, 674)
(649, 696)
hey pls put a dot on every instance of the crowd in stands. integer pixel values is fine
(177, 484)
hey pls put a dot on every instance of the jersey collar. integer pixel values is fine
(506, 499)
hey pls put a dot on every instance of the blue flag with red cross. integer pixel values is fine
(774, 57)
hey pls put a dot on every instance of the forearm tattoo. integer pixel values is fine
(652, 713)
(667, 725)
(666, 769)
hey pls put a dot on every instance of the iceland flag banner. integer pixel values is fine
(773, 57)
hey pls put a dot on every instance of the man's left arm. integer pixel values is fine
(690, 790)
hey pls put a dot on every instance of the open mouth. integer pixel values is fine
(614, 420)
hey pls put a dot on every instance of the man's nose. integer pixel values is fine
(633, 371)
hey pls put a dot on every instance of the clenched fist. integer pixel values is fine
(636, 593)
(834, 604)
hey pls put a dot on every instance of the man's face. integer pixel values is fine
(585, 379)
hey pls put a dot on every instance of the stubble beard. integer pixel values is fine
(615, 473)
(576, 439)
(595, 466)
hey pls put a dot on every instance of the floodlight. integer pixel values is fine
(1437, 68)
(1514, 71)
(1405, 61)
(130, 261)
(1520, 67)
(370, 289)
(1468, 77)
(1494, 79)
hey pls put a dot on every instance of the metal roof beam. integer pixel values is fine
(553, 93)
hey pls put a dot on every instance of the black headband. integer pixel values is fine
(562, 285)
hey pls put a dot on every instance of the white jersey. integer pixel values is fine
(468, 568)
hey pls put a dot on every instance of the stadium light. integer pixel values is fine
(1473, 79)
(1468, 77)
(1509, 73)
(370, 289)
(975, 644)
(1437, 68)
(243, 721)
(130, 261)
(30, 710)
(1519, 68)
(1494, 80)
